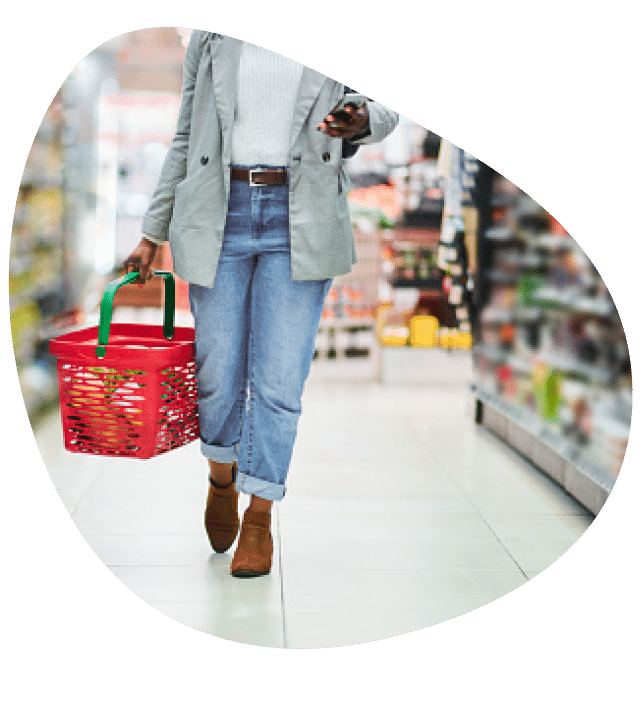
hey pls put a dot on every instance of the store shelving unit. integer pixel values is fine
(552, 366)
(346, 345)
(413, 239)
(400, 179)
(36, 265)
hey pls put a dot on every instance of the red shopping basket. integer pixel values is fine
(128, 389)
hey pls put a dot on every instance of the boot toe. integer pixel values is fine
(253, 556)
(221, 518)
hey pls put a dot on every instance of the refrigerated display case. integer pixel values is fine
(552, 367)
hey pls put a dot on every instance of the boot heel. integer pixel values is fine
(221, 514)
(253, 556)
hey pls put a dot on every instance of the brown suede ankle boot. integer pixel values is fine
(253, 556)
(221, 514)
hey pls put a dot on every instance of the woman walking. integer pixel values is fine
(251, 198)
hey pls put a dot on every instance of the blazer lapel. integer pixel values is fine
(309, 87)
(225, 53)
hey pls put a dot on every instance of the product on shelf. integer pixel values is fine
(549, 341)
(36, 261)
(423, 330)
(395, 336)
(454, 338)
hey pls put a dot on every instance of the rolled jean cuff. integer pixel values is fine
(259, 487)
(217, 453)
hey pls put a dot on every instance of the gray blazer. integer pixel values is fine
(189, 205)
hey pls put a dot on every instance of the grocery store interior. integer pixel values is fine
(467, 411)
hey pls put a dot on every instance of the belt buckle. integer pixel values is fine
(255, 171)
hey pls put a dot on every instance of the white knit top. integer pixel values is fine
(267, 89)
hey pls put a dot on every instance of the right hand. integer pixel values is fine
(140, 260)
(354, 121)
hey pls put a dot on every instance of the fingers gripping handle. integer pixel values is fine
(170, 303)
(108, 300)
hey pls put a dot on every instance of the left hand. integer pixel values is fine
(345, 129)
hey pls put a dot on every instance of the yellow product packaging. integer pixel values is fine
(464, 340)
(446, 338)
(395, 336)
(423, 331)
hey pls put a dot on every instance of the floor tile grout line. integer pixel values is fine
(450, 474)
(55, 416)
(464, 493)
(83, 496)
(480, 514)
(443, 466)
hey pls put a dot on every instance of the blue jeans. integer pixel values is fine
(255, 338)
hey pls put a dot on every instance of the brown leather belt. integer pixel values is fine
(260, 177)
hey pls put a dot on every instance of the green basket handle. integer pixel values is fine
(108, 301)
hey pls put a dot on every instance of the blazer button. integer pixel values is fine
(326, 156)
(204, 160)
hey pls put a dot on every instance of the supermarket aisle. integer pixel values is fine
(400, 513)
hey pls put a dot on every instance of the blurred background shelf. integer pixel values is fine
(555, 455)
(552, 368)
(460, 276)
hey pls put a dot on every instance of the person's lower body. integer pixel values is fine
(255, 338)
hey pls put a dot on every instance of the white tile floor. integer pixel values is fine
(400, 514)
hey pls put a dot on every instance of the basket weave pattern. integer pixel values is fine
(127, 412)
(178, 419)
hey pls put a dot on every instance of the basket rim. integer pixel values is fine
(147, 344)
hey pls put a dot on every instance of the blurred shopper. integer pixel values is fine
(251, 198)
